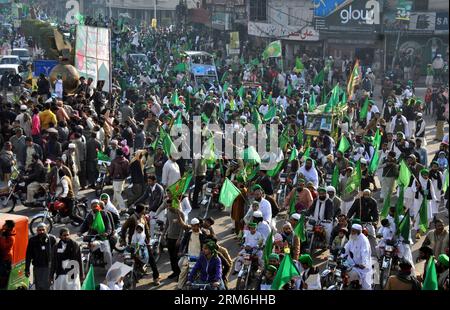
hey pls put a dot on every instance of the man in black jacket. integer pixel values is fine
(365, 209)
(154, 194)
(190, 249)
(43, 87)
(35, 176)
(39, 253)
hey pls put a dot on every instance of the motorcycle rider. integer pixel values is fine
(292, 240)
(267, 279)
(66, 195)
(252, 243)
(191, 246)
(403, 280)
(53, 178)
(210, 267)
(322, 210)
(102, 243)
(365, 209)
(109, 207)
(358, 254)
(261, 225)
(310, 277)
(337, 202)
(35, 177)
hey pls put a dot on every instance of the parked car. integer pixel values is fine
(10, 60)
(24, 55)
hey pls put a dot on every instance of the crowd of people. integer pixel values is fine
(331, 179)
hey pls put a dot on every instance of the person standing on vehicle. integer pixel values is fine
(119, 170)
(39, 253)
(191, 246)
(359, 255)
(137, 177)
(66, 263)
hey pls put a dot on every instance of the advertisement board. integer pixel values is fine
(92, 56)
(43, 67)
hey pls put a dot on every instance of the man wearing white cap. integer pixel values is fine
(24, 120)
(190, 249)
(365, 209)
(337, 202)
(293, 220)
(358, 254)
(253, 241)
(420, 127)
(261, 225)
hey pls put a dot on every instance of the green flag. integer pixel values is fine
(377, 140)
(319, 78)
(224, 77)
(271, 113)
(225, 87)
(430, 283)
(404, 175)
(364, 110)
(335, 178)
(254, 62)
(256, 118)
(298, 65)
(344, 145)
(181, 67)
(241, 92)
(102, 156)
(285, 273)
(228, 193)
(387, 204)
(294, 154)
(89, 282)
(272, 50)
(292, 203)
(268, 247)
(307, 153)
(180, 187)
(242, 60)
(98, 225)
(300, 137)
(276, 170)
(423, 215)
(174, 99)
(405, 227)
(289, 90)
(354, 182)
(312, 103)
(300, 230)
(259, 95)
(252, 156)
(446, 181)
(179, 120)
(168, 146)
(373, 166)
(334, 99)
(205, 118)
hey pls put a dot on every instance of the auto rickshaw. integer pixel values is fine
(17, 279)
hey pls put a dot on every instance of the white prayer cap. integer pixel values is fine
(257, 214)
(195, 221)
(363, 161)
(331, 189)
(72, 146)
(367, 191)
(357, 227)
(23, 107)
(295, 216)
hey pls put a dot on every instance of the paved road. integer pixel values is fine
(224, 225)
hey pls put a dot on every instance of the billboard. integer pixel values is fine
(293, 33)
(43, 66)
(92, 56)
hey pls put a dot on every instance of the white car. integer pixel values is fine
(10, 60)
(24, 55)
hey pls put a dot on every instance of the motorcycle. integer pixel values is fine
(138, 268)
(102, 176)
(210, 196)
(90, 257)
(248, 270)
(55, 210)
(387, 262)
(191, 264)
(17, 192)
(156, 241)
(328, 276)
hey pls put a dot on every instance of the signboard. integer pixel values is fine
(404, 10)
(43, 67)
(441, 22)
(353, 16)
(234, 40)
(92, 58)
(265, 30)
(221, 21)
(422, 21)
(323, 8)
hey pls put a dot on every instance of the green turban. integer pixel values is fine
(306, 259)
(274, 256)
(443, 260)
(272, 268)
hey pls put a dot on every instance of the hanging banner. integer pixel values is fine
(92, 57)
(234, 40)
